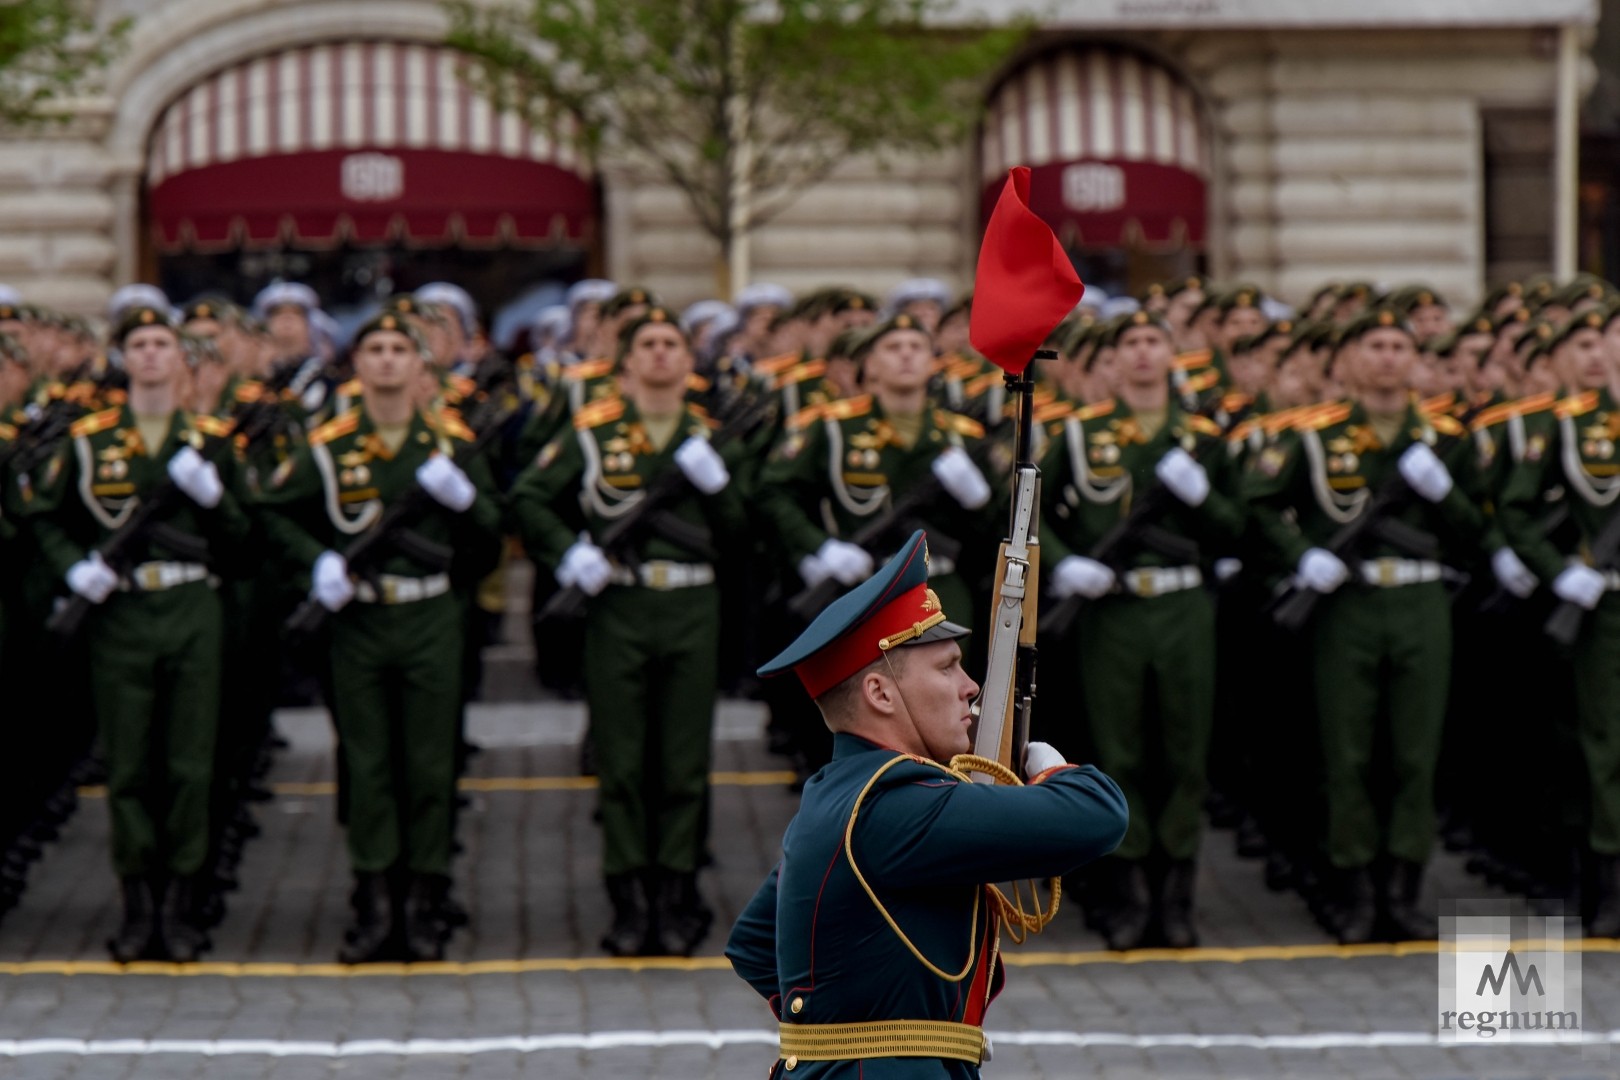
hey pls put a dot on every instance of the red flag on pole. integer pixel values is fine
(1025, 284)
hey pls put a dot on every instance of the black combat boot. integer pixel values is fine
(1405, 916)
(1176, 904)
(628, 934)
(371, 938)
(178, 925)
(1127, 922)
(135, 939)
(680, 918)
(1606, 914)
(425, 929)
(1354, 913)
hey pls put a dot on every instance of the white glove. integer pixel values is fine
(1078, 575)
(1228, 568)
(849, 563)
(92, 578)
(702, 465)
(1039, 756)
(813, 571)
(586, 566)
(196, 477)
(1426, 473)
(1580, 585)
(443, 479)
(1185, 478)
(1322, 571)
(330, 577)
(1511, 572)
(961, 478)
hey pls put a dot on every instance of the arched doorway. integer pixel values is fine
(1119, 161)
(361, 168)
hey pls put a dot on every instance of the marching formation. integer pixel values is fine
(1304, 574)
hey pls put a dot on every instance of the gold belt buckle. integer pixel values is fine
(150, 576)
(658, 575)
(1147, 583)
(1386, 572)
(390, 591)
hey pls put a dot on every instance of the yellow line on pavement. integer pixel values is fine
(766, 778)
(466, 969)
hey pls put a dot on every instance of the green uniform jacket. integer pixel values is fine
(605, 460)
(1317, 477)
(1502, 434)
(818, 949)
(332, 490)
(834, 472)
(1099, 462)
(87, 491)
(1576, 451)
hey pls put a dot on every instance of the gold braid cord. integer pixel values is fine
(1020, 923)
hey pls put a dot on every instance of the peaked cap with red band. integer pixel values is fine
(891, 609)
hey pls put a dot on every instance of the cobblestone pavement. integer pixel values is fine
(527, 993)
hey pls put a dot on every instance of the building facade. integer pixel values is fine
(1284, 143)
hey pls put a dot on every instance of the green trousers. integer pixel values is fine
(396, 700)
(1147, 667)
(1597, 713)
(650, 669)
(1382, 662)
(155, 678)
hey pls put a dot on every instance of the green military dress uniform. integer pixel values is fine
(1381, 644)
(651, 636)
(1577, 451)
(1148, 649)
(156, 642)
(396, 649)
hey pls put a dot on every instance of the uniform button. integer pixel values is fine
(791, 1063)
(798, 1005)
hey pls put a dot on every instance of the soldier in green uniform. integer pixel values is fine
(652, 626)
(875, 939)
(1146, 642)
(396, 632)
(1577, 452)
(1381, 647)
(155, 632)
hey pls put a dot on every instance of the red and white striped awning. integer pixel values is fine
(1116, 145)
(362, 142)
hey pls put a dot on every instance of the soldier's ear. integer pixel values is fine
(880, 693)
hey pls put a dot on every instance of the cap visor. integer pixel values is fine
(945, 631)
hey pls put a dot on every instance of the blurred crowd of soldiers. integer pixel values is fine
(1296, 573)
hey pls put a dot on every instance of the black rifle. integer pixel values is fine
(618, 541)
(1134, 531)
(252, 422)
(1564, 624)
(38, 439)
(392, 529)
(1295, 605)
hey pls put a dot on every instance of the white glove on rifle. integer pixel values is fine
(1039, 756)
(197, 477)
(586, 566)
(849, 563)
(1580, 585)
(961, 478)
(1322, 571)
(447, 483)
(1076, 575)
(702, 465)
(92, 578)
(1512, 574)
(813, 571)
(1186, 479)
(1425, 472)
(332, 587)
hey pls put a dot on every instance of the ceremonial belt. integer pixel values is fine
(882, 1039)
(1393, 573)
(663, 575)
(397, 589)
(158, 576)
(1150, 581)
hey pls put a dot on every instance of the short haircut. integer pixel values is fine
(838, 705)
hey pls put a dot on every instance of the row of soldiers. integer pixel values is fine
(701, 491)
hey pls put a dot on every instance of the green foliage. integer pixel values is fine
(718, 95)
(50, 49)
